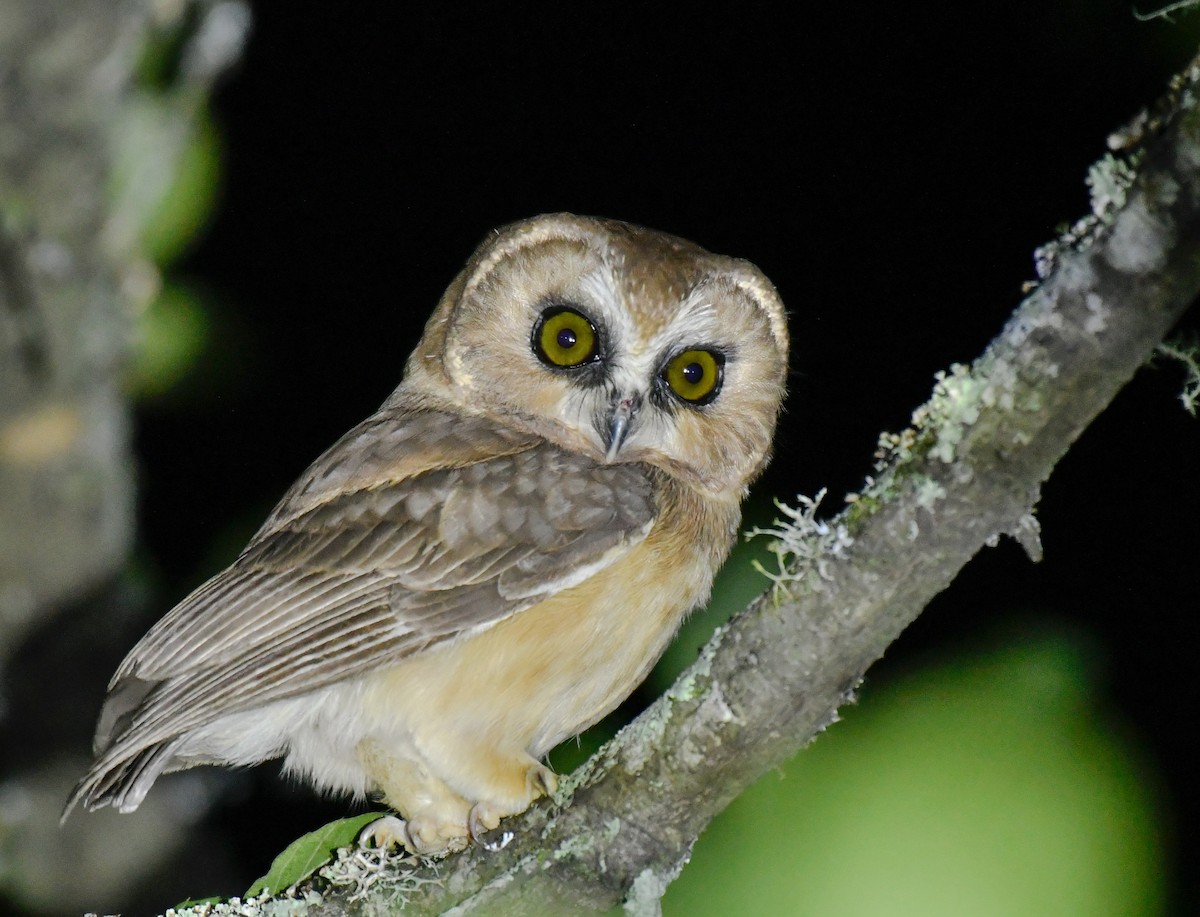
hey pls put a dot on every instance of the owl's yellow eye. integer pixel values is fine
(695, 375)
(565, 338)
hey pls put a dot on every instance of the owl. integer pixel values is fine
(494, 559)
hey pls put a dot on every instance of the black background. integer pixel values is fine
(890, 167)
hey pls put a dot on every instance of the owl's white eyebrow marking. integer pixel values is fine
(698, 306)
(695, 322)
(624, 336)
(600, 288)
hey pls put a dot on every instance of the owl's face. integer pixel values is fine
(615, 341)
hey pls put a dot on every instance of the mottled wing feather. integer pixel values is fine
(356, 579)
(394, 444)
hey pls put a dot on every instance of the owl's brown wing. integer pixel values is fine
(366, 562)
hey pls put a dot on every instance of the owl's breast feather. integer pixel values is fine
(550, 671)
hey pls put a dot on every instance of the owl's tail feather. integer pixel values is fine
(122, 784)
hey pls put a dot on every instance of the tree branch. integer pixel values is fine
(969, 470)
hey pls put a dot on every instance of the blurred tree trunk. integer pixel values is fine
(99, 105)
(66, 474)
(86, 152)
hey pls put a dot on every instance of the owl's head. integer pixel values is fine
(623, 343)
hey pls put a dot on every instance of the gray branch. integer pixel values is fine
(969, 471)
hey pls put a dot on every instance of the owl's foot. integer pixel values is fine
(430, 834)
(425, 836)
(491, 785)
(485, 816)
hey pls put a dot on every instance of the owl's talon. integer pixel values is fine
(542, 779)
(385, 833)
(480, 821)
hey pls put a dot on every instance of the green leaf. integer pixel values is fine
(308, 853)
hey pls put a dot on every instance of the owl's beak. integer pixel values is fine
(620, 419)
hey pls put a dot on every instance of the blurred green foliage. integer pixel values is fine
(170, 337)
(171, 222)
(168, 211)
(164, 188)
(988, 784)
